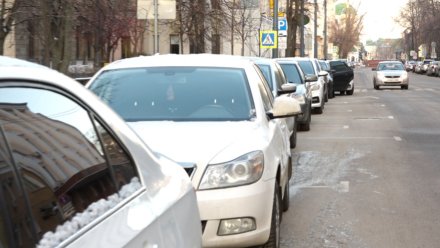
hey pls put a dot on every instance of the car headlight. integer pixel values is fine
(315, 86)
(243, 170)
(404, 76)
(380, 76)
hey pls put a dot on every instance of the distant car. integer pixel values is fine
(432, 68)
(73, 173)
(409, 65)
(425, 65)
(418, 67)
(217, 116)
(303, 93)
(278, 84)
(390, 73)
(343, 76)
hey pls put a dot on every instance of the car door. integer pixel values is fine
(342, 75)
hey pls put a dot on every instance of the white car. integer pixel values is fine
(277, 82)
(390, 73)
(73, 173)
(215, 115)
(319, 87)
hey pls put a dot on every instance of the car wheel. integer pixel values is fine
(404, 87)
(320, 109)
(293, 136)
(376, 87)
(350, 92)
(286, 198)
(274, 236)
(306, 126)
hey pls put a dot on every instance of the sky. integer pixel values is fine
(378, 20)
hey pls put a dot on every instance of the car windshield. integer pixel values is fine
(307, 67)
(176, 93)
(390, 66)
(292, 73)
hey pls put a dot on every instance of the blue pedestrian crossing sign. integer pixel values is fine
(268, 39)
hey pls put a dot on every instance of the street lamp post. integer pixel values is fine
(275, 27)
(301, 23)
(315, 44)
(325, 30)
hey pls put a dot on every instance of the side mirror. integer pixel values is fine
(311, 78)
(284, 106)
(323, 74)
(287, 88)
(373, 69)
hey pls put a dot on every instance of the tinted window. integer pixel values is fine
(307, 67)
(65, 161)
(390, 66)
(176, 93)
(292, 73)
(339, 66)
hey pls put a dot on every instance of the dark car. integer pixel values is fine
(342, 77)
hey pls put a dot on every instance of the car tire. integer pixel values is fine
(293, 136)
(350, 92)
(404, 87)
(306, 125)
(274, 236)
(286, 198)
(376, 87)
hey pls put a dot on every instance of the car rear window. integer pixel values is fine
(292, 73)
(176, 93)
(307, 67)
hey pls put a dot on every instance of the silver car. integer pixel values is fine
(390, 73)
(73, 174)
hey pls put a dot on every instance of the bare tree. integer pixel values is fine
(345, 32)
(8, 10)
(292, 17)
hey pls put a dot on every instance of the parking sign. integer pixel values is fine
(282, 27)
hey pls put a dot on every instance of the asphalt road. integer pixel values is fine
(367, 174)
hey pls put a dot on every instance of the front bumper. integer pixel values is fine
(254, 201)
(317, 96)
(396, 81)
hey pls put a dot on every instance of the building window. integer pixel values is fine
(174, 44)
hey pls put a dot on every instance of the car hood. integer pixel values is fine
(391, 73)
(198, 142)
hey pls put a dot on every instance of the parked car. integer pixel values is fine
(418, 67)
(303, 93)
(342, 77)
(390, 73)
(325, 65)
(216, 115)
(277, 82)
(73, 174)
(432, 68)
(319, 87)
(425, 65)
(409, 65)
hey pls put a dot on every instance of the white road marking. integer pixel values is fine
(391, 117)
(349, 110)
(346, 126)
(344, 186)
(397, 138)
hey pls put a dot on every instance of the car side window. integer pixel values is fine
(265, 92)
(62, 161)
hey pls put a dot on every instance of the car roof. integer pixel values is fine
(205, 60)
(390, 61)
(12, 68)
(286, 60)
